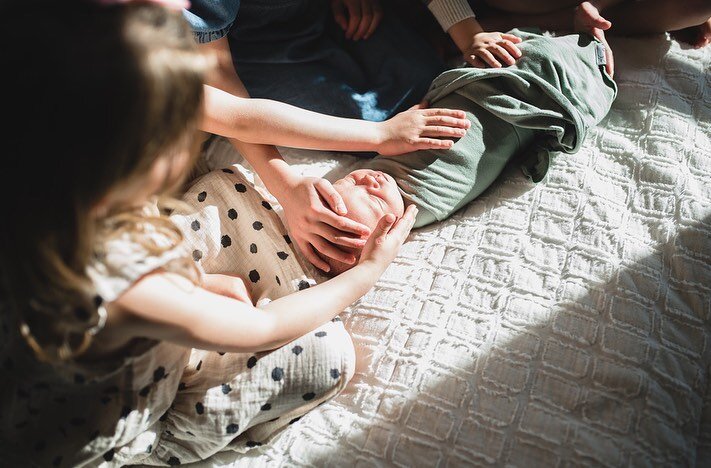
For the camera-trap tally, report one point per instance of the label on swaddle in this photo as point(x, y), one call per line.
point(600, 54)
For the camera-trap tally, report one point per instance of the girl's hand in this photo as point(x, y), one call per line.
point(314, 212)
point(420, 128)
point(228, 286)
point(388, 236)
point(358, 18)
point(587, 19)
point(488, 48)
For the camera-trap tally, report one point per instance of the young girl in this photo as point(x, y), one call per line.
point(104, 314)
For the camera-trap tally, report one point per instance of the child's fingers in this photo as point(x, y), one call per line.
point(354, 16)
point(403, 225)
point(377, 18)
point(474, 61)
point(311, 256)
point(489, 58)
point(433, 143)
point(339, 15)
point(331, 251)
point(337, 237)
point(457, 114)
point(342, 223)
point(511, 37)
point(511, 48)
point(365, 20)
point(441, 131)
point(332, 197)
point(448, 121)
point(383, 227)
point(503, 55)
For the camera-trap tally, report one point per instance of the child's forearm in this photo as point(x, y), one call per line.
point(323, 302)
point(271, 122)
point(269, 164)
point(167, 307)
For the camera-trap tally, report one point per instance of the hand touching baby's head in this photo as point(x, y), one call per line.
point(368, 195)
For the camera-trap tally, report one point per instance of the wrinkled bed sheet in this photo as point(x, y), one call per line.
point(544, 325)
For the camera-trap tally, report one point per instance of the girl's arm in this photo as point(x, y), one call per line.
point(271, 122)
point(231, 113)
point(169, 307)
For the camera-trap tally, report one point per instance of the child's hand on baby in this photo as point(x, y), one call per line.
point(314, 212)
point(358, 18)
point(384, 244)
point(228, 286)
point(492, 48)
point(419, 128)
point(587, 19)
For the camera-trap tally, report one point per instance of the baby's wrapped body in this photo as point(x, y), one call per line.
point(546, 102)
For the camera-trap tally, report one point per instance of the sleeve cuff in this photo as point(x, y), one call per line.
point(203, 37)
point(450, 12)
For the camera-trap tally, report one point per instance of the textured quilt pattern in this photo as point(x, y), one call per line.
point(564, 323)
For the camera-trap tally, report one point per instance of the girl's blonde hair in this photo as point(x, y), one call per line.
point(96, 96)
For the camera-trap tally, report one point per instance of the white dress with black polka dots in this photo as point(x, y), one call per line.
point(169, 405)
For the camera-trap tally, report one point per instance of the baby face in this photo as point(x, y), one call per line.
point(368, 195)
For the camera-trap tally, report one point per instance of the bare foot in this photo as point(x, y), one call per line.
point(696, 36)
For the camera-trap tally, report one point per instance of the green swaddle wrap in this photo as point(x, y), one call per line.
point(544, 103)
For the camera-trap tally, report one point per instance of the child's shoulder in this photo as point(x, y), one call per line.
point(135, 245)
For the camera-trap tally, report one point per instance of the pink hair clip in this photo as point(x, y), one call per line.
point(172, 4)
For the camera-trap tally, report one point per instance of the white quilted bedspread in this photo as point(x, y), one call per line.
point(564, 323)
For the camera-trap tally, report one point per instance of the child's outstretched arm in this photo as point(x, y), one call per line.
point(276, 123)
point(229, 112)
point(168, 307)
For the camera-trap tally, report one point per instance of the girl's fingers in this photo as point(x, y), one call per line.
point(331, 251)
point(448, 117)
point(448, 121)
point(503, 55)
point(377, 17)
point(441, 131)
point(457, 114)
point(403, 225)
point(342, 223)
point(312, 257)
point(474, 61)
point(511, 48)
point(332, 197)
point(381, 230)
point(339, 14)
point(512, 38)
point(354, 17)
point(365, 20)
point(433, 143)
point(489, 58)
point(338, 238)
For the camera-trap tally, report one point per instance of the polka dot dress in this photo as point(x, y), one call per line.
point(235, 401)
point(163, 404)
point(79, 413)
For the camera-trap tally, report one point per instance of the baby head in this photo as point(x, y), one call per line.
point(368, 195)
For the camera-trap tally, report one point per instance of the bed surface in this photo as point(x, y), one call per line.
point(559, 323)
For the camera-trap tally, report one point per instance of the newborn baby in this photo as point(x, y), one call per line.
point(546, 102)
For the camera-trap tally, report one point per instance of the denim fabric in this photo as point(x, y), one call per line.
point(211, 19)
point(293, 51)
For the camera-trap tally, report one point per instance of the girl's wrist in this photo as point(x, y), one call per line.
point(370, 271)
point(463, 32)
point(377, 133)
